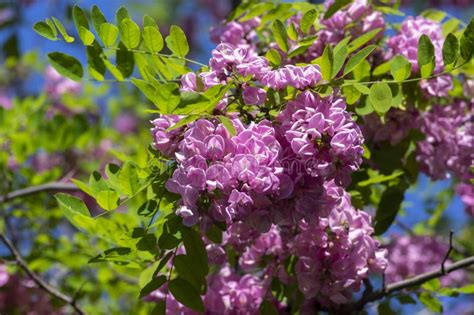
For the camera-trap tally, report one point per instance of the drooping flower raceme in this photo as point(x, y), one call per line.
point(335, 253)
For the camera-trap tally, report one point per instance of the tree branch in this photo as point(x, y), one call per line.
point(408, 283)
point(37, 279)
point(54, 186)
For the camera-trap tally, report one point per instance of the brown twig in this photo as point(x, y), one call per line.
point(55, 186)
point(451, 233)
point(405, 284)
point(37, 279)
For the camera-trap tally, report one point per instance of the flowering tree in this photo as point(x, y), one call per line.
point(273, 173)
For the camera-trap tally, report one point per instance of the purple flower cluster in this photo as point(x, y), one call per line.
point(323, 135)
point(336, 252)
point(405, 260)
point(406, 44)
point(448, 148)
point(466, 192)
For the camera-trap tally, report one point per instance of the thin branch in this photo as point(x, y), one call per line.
point(408, 283)
point(443, 269)
point(37, 279)
point(54, 186)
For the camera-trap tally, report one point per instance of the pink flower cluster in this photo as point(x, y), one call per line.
point(405, 260)
point(406, 44)
point(323, 136)
point(447, 149)
point(236, 172)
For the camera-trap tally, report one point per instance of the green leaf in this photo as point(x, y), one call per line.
point(292, 32)
point(426, 56)
point(192, 103)
point(380, 179)
point(108, 199)
point(336, 6)
point(307, 20)
point(153, 39)
point(467, 41)
point(125, 60)
point(432, 285)
point(72, 204)
point(86, 36)
point(327, 63)
point(82, 186)
point(380, 97)
point(351, 94)
point(97, 183)
point(79, 18)
point(339, 55)
point(400, 68)
point(363, 39)
point(130, 33)
point(358, 58)
point(128, 178)
point(181, 263)
point(362, 72)
point(362, 88)
point(434, 15)
point(148, 21)
point(98, 18)
point(388, 208)
point(196, 250)
point(431, 302)
point(153, 285)
point(185, 293)
point(121, 14)
point(113, 70)
point(51, 25)
point(177, 42)
point(167, 98)
point(45, 30)
point(75, 211)
point(382, 68)
point(183, 122)
point(274, 57)
point(108, 34)
point(228, 124)
point(62, 30)
point(451, 26)
point(281, 37)
point(147, 89)
point(66, 65)
point(450, 50)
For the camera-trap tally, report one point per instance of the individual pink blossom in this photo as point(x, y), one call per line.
point(335, 253)
point(5, 100)
point(166, 141)
point(254, 95)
